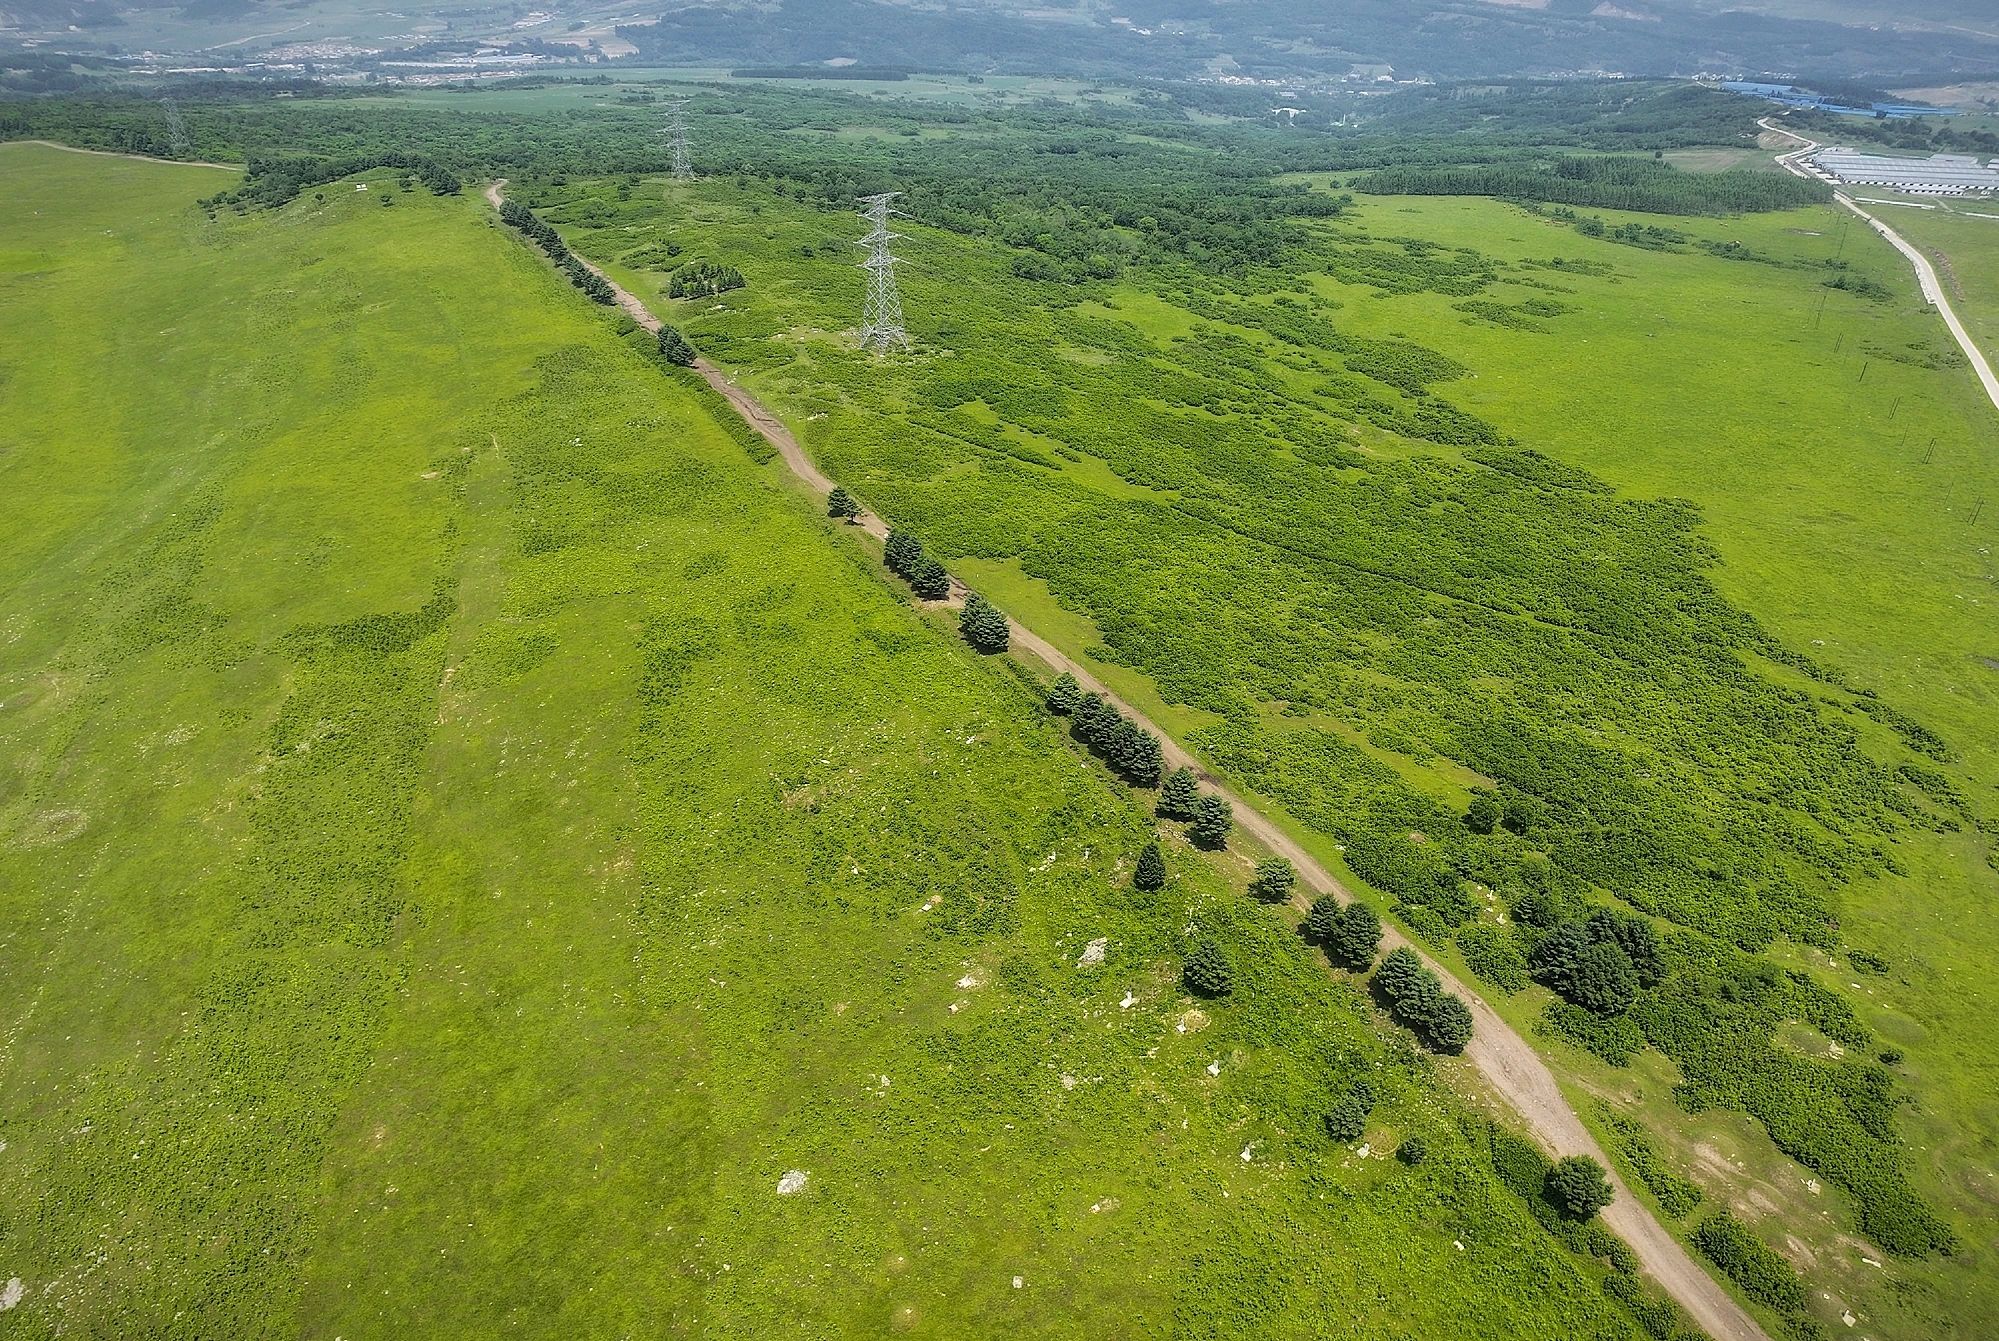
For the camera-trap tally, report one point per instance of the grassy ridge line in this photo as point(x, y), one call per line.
point(1503, 1057)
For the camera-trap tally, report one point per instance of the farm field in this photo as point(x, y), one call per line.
point(467, 831)
point(1449, 613)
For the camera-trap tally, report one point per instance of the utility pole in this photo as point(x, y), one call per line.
point(676, 139)
point(179, 143)
point(881, 317)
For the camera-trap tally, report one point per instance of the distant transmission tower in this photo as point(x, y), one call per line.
point(881, 318)
point(676, 138)
point(179, 143)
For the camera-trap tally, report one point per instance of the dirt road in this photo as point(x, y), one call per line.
point(1501, 1056)
point(1794, 162)
point(136, 158)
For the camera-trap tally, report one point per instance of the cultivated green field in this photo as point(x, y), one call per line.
point(1725, 633)
point(467, 830)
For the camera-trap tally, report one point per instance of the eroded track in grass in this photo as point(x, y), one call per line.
point(1500, 1054)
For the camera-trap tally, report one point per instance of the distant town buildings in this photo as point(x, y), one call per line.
point(1800, 99)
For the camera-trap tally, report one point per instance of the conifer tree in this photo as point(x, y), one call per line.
point(1147, 761)
point(1213, 818)
point(902, 552)
point(673, 347)
point(1273, 880)
point(841, 504)
point(984, 627)
point(929, 580)
point(1324, 916)
point(1064, 695)
point(1208, 972)
point(1354, 937)
point(1151, 873)
point(1179, 795)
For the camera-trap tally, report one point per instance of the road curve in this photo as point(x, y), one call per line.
point(1793, 162)
point(1501, 1056)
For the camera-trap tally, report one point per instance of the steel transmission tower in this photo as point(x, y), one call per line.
point(881, 318)
point(179, 143)
point(676, 138)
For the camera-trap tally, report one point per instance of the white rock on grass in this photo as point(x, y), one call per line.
point(793, 1181)
point(10, 1293)
point(1093, 953)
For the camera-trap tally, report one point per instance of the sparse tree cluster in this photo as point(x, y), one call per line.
point(983, 626)
point(1600, 964)
point(1416, 997)
point(703, 279)
point(673, 347)
point(594, 286)
point(1133, 754)
point(906, 559)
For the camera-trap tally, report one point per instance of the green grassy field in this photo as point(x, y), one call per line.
point(466, 831)
point(1964, 247)
point(1283, 511)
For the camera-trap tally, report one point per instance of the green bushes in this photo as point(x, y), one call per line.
point(1677, 1196)
point(1743, 1258)
point(593, 285)
point(673, 347)
point(1347, 1118)
point(1492, 953)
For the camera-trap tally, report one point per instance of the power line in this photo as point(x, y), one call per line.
point(881, 316)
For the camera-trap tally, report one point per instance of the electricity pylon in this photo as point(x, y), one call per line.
point(179, 143)
point(881, 316)
point(676, 138)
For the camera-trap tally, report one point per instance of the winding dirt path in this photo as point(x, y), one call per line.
point(1793, 162)
point(1506, 1061)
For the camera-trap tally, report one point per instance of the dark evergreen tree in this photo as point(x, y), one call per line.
point(1636, 937)
point(1207, 971)
point(1354, 938)
point(1120, 746)
point(1413, 1151)
point(984, 627)
point(1273, 880)
point(929, 580)
point(1450, 1025)
point(1151, 873)
point(1148, 761)
point(673, 347)
point(1399, 968)
point(1579, 1186)
point(1064, 695)
point(841, 504)
point(1083, 721)
point(1324, 916)
point(1179, 795)
point(902, 553)
point(1213, 818)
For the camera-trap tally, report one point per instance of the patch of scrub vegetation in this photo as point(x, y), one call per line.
point(533, 876)
point(1335, 532)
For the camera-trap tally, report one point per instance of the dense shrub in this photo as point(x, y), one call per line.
point(1762, 1274)
point(1578, 1185)
point(1347, 1118)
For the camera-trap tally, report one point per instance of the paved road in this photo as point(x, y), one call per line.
point(1794, 162)
point(1502, 1057)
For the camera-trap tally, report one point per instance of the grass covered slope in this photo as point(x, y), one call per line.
point(1288, 513)
point(466, 833)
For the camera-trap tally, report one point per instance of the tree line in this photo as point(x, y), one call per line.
point(594, 286)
